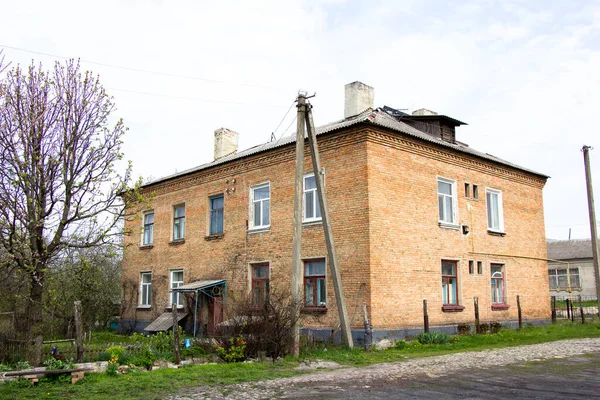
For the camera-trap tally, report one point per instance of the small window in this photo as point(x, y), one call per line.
point(449, 283)
point(311, 206)
point(148, 237)
point(260, 198)
point(216, 214)
point(260, 284)
point(467, 190)
point(176, 281)
point(475, 192)
point(471, 267)
point(480, 267)
point(315, 291)
point(495, 218)
point(497, 271)
point(146, 288)
point(559, 279)
point(179, 222)
point(447, 201)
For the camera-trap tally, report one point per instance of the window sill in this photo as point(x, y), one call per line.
point(146, 246)
point(452, 308)
point(176, 242)
point(311, 223)
point(216, 236)
point(170, 309)
point(496, 233)
point(314, 310)
point(500, 307)
point(447, 225)
point(143, 308)
point(259, 230)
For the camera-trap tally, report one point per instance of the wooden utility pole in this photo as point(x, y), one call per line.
point(333, 264)
point(591, 207)
point(78, 331)
point(297, 249)
point(519, 314)
point(425, 317)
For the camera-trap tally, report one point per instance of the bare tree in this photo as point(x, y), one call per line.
point(58, 184)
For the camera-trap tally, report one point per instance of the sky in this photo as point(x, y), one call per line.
point(524, 75)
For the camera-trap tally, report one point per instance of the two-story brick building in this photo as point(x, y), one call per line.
point(415, 215)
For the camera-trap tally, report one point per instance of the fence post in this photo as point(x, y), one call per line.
point(572, 314)
point(568, 309)
point(425, 316)
point(553, 305)
point(176, 335)
point(79, 331)
point(519, 312)
point(476, 307)
point(581, 310)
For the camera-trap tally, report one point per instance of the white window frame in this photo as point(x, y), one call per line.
point(148, 301)
point(310, 192)
point(144, 214)
point(251, 206)
point(453, 196)
point(177, 296)
point(181, 222)
point(498, 193)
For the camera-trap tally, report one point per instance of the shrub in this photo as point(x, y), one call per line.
point(194, 352)
point(20, 365)
point(495, 327)
point(234, 352)
point(145, 359)
point(463, 329)
point(115, 352)
point(401, 345)
point(432, 338)
point(53, 363)
point(483, 328)
point(5, 368)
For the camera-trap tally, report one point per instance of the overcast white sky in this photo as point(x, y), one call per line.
point(525, 75)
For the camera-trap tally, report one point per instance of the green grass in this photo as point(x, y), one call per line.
point(584, 303)
point(157, 384)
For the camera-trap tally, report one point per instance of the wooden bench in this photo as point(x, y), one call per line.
point(33, 376)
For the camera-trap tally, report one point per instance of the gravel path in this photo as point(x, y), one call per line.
point(429, 366)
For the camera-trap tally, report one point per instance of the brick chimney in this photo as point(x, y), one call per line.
point(226, 142)
point(358, 98)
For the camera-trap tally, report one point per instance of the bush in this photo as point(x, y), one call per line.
point(495, 327)
point(432, 338)
point(53, 363)
point(115, 352)
point(234, 352)
point(145, 359)
point(483, 328)
point(401, 345)
point(194, 352)
point(463, 329)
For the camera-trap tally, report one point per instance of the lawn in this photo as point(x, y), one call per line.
point(157, 384)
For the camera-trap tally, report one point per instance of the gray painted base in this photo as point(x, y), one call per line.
point(127, 326)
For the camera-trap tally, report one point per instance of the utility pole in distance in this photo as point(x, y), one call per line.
point(297, 246)
point(590, 195)
point(333, 264)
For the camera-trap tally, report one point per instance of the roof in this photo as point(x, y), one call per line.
point(164, 322)
point(376, 117)
point(402, 115)
point(569, 249)
point(198, 285)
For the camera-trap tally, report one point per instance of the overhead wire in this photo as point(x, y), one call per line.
point(282, 119)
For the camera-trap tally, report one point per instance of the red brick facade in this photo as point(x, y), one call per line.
point(383, 197)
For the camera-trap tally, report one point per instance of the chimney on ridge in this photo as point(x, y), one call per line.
point(226, 142)
point(358, 97)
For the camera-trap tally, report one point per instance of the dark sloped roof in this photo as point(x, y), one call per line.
point(164, 322)
point(569, 249)
point(377, 117)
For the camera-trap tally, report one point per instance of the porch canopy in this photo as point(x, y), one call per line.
point(163, 322)
point(211, 288)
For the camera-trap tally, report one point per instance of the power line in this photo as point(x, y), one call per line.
point(167, 74)
point(282, 119)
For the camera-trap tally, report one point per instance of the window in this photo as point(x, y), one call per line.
point(260, 284)
point(447, 201)
point(260, 197)
point(315, 293)
point(148, 228)
point(467, 190)
point(559, 279)
point(471, 267)
point(495, 219)
point(497, 271)
point(312, 207)
point(216, 214)
point(449, 283)
point(179, 222)
point(146, 288)
point(475, 192)
point(480, 267)
point(176, 281)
